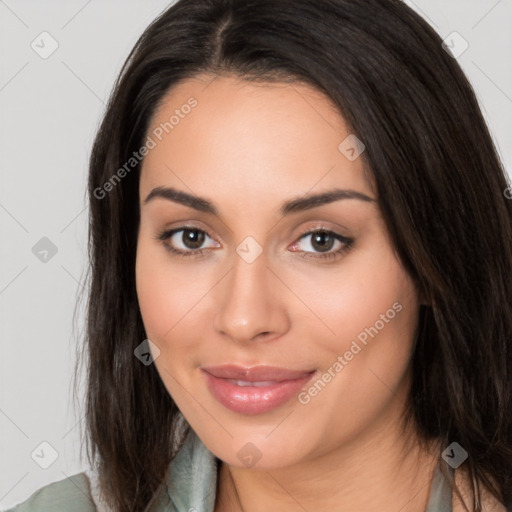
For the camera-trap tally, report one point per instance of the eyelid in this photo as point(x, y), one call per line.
point(345, 240)
point(167, 233)
point(187, 225)
point(325, 226)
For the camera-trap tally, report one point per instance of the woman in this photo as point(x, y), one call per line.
point(300, 271)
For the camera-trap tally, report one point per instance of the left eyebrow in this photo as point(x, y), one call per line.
point(292, 206)
point(315, 200)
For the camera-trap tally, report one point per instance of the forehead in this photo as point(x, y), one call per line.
point(269, 141)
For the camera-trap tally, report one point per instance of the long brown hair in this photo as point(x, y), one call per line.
point(440, 185)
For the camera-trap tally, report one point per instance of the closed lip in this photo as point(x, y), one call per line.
point(255, 373)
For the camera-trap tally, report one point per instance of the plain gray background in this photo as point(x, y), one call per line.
point(51, 108)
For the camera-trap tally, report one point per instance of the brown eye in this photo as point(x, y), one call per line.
point(322, 241)
point(192, 238)
point(321, 244)
point(185, 241)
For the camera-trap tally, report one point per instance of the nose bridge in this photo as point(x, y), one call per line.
point(248, 302)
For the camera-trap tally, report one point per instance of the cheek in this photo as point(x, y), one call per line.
point(153, 292)
point(348, 299)
point(372, 309)
point(168, 302)
point(165, 293)
point(368, 311)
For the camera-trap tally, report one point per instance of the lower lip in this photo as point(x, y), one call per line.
point(253, 399)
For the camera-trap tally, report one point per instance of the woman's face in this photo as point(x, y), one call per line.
point(334, 305)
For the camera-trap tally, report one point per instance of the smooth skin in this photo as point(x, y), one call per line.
point(248, 148)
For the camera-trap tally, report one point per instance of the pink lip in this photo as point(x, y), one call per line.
point(282, 385)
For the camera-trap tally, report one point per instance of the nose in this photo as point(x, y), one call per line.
point(252, 302)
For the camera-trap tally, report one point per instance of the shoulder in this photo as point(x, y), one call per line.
point(70, 494)
point(489, 502)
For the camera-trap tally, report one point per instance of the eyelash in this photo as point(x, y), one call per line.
point(347, 243)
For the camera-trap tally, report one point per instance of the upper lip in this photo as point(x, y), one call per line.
point(255, 373)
